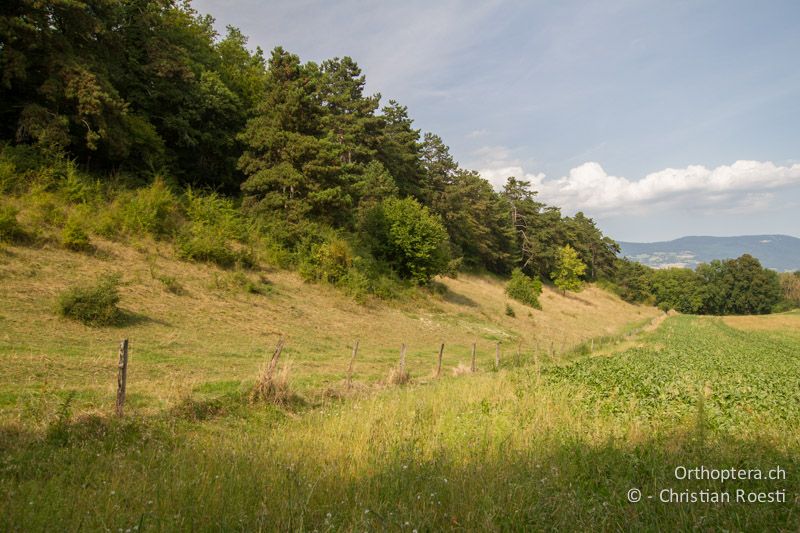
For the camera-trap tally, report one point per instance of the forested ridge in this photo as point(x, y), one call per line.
point(240, 157)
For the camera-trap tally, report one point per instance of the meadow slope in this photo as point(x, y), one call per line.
point(212, 337)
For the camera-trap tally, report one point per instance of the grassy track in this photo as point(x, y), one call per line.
point(495, 451)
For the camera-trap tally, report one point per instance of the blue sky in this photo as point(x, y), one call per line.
point(657, 119)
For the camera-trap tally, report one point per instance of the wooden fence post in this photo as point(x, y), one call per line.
point(275, 356)
point(350, 367)
point(439, 366)
point(122, 375)
point(497, 356)
point(403, 359)
point(474, 367)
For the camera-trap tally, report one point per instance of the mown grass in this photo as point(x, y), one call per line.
point(513, 450)
point(218, 325)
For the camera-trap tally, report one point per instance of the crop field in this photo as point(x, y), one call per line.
point(554, 445)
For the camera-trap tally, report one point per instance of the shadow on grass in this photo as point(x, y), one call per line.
point(245, 482)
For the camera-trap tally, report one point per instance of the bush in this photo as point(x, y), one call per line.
point(10, 230)
point(153, 210)
point(214, 229)
point(328, 261)
point(74, 237)
point(408, 237)
point(171, 284)
point(510, 311)
point(524, 289)
point(93, 305)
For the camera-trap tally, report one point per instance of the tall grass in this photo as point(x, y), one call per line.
point(491, 452)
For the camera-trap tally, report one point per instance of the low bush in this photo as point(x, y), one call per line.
point(171, 285)
point(152, 210)
point(10, 230)
point(216, 232)
point(524, 289)
point(74, 236)
point(93, 305)
point(327, 260)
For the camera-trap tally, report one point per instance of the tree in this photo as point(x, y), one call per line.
point(291, 170)
point(790, 288)
point(633, 281)
point(399, 149)
point(408, 237)
point(569, 269)
point(597, 251)
point(539, 228)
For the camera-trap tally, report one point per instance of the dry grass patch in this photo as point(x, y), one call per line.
point(783, 322)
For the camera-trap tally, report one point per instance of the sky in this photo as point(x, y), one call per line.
point(657, 119)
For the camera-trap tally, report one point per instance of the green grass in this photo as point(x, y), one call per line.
point(513, 450)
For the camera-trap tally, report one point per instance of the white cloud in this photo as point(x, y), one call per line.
point(743, 187)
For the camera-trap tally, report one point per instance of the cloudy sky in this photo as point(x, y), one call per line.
point(658, 119)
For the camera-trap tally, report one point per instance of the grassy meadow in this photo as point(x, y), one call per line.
point(551, 441)
point(212, 337)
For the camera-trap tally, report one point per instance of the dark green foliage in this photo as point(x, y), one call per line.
point(407, 236)
point(738, 286)
point(678, 289)
point(126, 91)
point(731, 287)
point(632, 281)
point(523, 289)
point(510, 311)
point(93, 305)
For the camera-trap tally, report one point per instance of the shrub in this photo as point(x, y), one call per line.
point(328, 261)
point(10, 230)
point(200, 243)
point(9, 179)
point(510, 311)
point(214, 229)
point(408, 237)
point(171, 285)
point(74, 237)
point(524, 289)
point(153, 210)
point(94, 305)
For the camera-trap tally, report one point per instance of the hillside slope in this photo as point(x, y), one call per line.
point(213, 338)
point(779, 252)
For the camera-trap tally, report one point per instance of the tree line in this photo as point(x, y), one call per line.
point(233, 147)
point(149, 88)
point(722, 287)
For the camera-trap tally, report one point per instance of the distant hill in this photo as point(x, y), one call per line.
point(779, 252)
